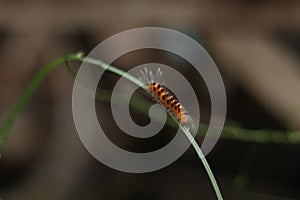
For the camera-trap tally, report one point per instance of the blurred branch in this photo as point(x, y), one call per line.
point(208, 14)
point(265, 69)
point(139, 104)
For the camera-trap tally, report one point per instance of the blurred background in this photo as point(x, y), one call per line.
point(255, 44)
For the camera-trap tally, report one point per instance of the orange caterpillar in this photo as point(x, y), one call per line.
point(169, 101)
point(163, 96)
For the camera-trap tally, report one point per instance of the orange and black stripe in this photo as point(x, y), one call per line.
point(169, 101)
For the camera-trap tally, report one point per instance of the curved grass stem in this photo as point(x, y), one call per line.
point(28, 92)
point(184, 129)
point(232, 133)
point(36, 81)
point(204, 162)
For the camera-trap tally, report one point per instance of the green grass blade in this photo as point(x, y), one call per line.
point(204, 162)
point(36, 81)
point(184, 129)
point(28, 92)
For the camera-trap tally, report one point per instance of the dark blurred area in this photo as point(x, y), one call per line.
point(256, 46)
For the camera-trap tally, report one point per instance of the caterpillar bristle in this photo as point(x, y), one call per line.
point(161, 94)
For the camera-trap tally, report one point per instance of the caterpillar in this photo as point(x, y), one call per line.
point(169, 101)
point(163, 96)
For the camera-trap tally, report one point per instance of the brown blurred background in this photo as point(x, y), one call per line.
point(256, 45)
